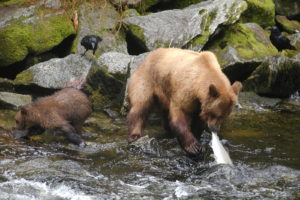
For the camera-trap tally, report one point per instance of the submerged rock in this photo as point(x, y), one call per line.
point(57, 73)
point(189, 27)
point(278, 76)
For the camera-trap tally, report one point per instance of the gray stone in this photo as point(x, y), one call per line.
point(104, 23)
point(57, 72)
point(14, 100)
point(176, 28)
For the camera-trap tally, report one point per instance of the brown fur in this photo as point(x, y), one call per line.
point(185, 83)
point(66, 110)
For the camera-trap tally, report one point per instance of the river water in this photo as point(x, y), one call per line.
point(263, 139)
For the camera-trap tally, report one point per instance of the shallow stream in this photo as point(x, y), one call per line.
point(263, 139)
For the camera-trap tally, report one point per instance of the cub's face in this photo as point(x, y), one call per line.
point(219, 105)
point(19, 121)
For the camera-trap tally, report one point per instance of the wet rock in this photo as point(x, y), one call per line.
point(189, 27)
point(241, 48)
point(278, 76)
point(13, 100)
point(57, 73)
point(104, 22)
point(250, 101)
point(288, 8)
point(146, 145)
point(23, 31)
point(290, 26)
point(264, 12)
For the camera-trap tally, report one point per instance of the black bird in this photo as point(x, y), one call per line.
point(278, 40)
point(90, 42)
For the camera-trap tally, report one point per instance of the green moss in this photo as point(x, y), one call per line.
point(261, 12)
point(105, 89)
point(200, 40)
point(24, 77)
point(20, 39)
point(247, 43)
point(138, 33)
point(288, 25)
point(15, 2)
point(276, 77)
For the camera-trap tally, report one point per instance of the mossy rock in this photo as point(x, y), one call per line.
point(20, 38)
point(290, 26)
point(105, 90)
point(261, 12)
point(278, 76)
point(289, 8)
point(243, 42)
point(170, 28)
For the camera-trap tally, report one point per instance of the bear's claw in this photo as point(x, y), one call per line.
point(195, 148)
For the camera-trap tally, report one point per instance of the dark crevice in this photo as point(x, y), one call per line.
point(34, 90)
point(134, 46)
point(234, 72)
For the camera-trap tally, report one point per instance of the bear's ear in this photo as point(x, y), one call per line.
point(237, 86)
point(213, 92)
point(24, 111)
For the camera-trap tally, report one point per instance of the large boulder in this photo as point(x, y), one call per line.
point(289, 8)
point(241, 48)
point(57, 73)
point(261, 12)
point(104, 22)
point(189, 27)
point(278, 76)
point(31, 30)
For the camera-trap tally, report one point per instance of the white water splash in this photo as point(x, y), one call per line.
point(22, 189)
point(220, 154)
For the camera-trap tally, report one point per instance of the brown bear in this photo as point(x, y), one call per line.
point(65, 111)
point(184, 84)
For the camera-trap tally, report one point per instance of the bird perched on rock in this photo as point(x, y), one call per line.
point(278, 40)
point(90, 42)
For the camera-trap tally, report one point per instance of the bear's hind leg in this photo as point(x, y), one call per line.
point(141, 99)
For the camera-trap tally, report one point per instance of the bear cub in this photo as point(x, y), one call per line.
point(190, 89)
point(65, 111)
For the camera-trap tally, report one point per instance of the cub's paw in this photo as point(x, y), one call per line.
point(133, 137)
point(195, 148)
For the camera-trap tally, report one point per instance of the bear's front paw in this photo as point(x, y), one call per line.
point(133, 137)
point(195, 148)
